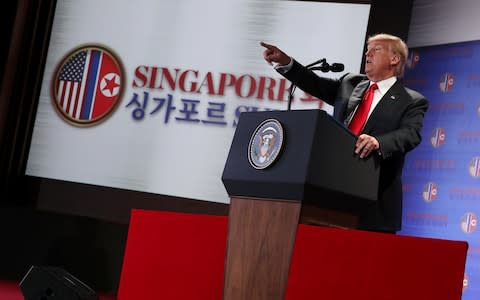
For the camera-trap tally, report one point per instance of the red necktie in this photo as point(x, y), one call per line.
point(360, 117)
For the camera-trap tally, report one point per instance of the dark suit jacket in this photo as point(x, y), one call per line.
point(395, 122)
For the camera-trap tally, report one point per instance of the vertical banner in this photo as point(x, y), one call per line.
point(442, 175)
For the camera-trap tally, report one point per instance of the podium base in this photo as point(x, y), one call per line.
point(261, 236)
point(314, 215)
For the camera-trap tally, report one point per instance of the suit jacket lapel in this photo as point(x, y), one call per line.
point(390, 98)
point(355, 99)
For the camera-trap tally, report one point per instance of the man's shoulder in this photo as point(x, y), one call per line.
point(412, 93)
point(353, 78)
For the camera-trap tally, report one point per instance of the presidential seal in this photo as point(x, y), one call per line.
point(265, 144)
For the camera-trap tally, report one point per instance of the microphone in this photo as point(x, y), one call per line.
point(325, 67)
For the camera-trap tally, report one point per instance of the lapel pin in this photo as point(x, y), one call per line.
point(392, 97)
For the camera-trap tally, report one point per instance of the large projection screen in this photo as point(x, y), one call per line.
point(178, 75)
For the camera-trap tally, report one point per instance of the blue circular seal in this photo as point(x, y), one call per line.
point(265, 144)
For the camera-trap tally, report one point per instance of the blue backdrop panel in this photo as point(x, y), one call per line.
point(442, 175)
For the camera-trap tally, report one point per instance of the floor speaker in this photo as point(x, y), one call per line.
point(52, 283)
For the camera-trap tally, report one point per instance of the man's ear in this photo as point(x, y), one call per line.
point(395, 60)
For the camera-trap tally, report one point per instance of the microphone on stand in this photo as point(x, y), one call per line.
point(323, 66)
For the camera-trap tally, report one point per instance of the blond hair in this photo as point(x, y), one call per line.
point(397, 47)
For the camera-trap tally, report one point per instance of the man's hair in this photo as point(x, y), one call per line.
point(397, 46)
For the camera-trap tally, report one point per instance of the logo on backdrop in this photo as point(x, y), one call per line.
point(87, 85)
point(438, 137)
point(429, 193)
point(413, 59)
point(474, 167)
point(265, 144)
point(446, 82)
point(469, 222)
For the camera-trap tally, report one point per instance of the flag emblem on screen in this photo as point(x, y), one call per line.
point(446, 82)
point(438, 137)
point(88, 85)
point(469, 222)
point(429, 192)
point(465, 281)
point(413, 59)
point(474, 167)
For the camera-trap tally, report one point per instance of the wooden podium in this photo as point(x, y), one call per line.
point(316, 175)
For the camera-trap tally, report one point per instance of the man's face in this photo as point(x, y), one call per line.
point(380, 62)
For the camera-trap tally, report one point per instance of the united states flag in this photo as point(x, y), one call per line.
point(71, 87)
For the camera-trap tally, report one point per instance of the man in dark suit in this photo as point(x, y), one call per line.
point(391, 122)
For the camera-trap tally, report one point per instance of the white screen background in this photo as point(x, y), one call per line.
point(177, 158)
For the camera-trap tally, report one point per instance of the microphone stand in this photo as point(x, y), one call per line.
point(291, 89)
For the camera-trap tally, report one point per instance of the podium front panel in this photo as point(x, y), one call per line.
point(317, 159)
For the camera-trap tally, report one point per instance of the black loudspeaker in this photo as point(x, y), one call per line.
point(52, 283)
